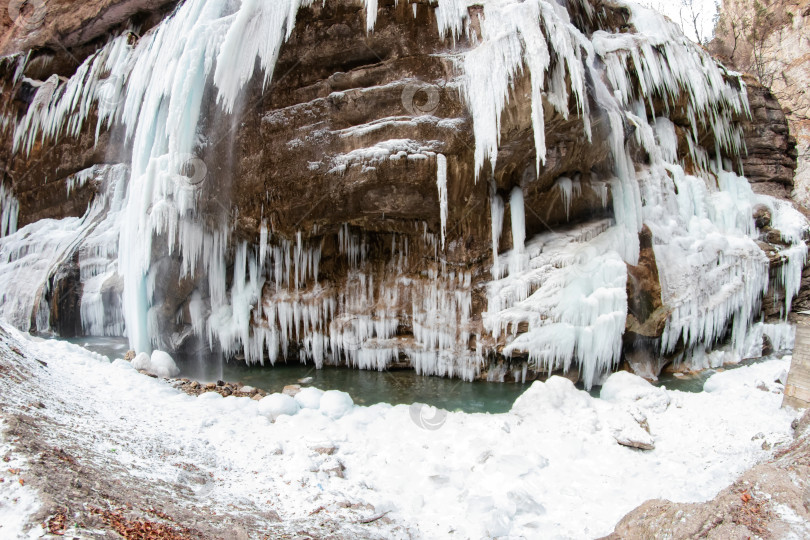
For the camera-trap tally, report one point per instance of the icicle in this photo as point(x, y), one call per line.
point(566, 187)
point(371, 15)
point(517, 213)
point(9, 208)
point(441, 184)
point(496, 209)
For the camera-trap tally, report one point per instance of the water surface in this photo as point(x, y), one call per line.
point(370, 387)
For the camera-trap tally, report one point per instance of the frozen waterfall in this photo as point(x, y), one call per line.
point(558, 298)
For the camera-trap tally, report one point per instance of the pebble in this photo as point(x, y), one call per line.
point(324, 449)
point(291, 389)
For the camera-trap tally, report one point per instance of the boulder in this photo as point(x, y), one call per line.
point(162, 365)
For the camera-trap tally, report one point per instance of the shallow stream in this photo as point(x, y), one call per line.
point(369, 387)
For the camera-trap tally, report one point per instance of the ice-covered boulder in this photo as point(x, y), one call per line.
point(625, 388)
point(163, 365)
point(629, 428)
point(276, 405)
point(160, 364)
point(142, 361)
point(309, 398)
point(335, 403)
point(556, 393)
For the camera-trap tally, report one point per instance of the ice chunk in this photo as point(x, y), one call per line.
point(120, 363)
point(557, 393)
point(627, 431)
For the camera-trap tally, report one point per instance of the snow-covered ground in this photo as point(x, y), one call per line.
point(17, 501)
point(550, 468)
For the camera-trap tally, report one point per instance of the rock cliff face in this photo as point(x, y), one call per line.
point(348, 202)
point(771, 40)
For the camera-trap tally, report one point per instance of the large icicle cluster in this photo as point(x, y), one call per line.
point(354, 322)
point(558, 298)
point(702, 234)
point(30, 257)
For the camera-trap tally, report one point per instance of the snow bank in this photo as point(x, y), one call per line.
point(551, 466)
point(756, 377)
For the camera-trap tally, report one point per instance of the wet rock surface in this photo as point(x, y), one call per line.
point(236, 389)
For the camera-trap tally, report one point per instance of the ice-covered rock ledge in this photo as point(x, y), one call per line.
point(549, 466)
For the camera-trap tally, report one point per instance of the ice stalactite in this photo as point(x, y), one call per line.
point(450, 17)
point(441, 184)
point(9, 209)
point(517, 213)
point(568, 190)
point(355, 324)
point(28, 258)
point(702, 235)
point(567, 304)
point(496, 211)
point(62, 109)
point(511, 40)
point(790, 274)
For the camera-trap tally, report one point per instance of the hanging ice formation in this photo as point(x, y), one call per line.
point(30, 260)
point(559, 297)
point(9, 208)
